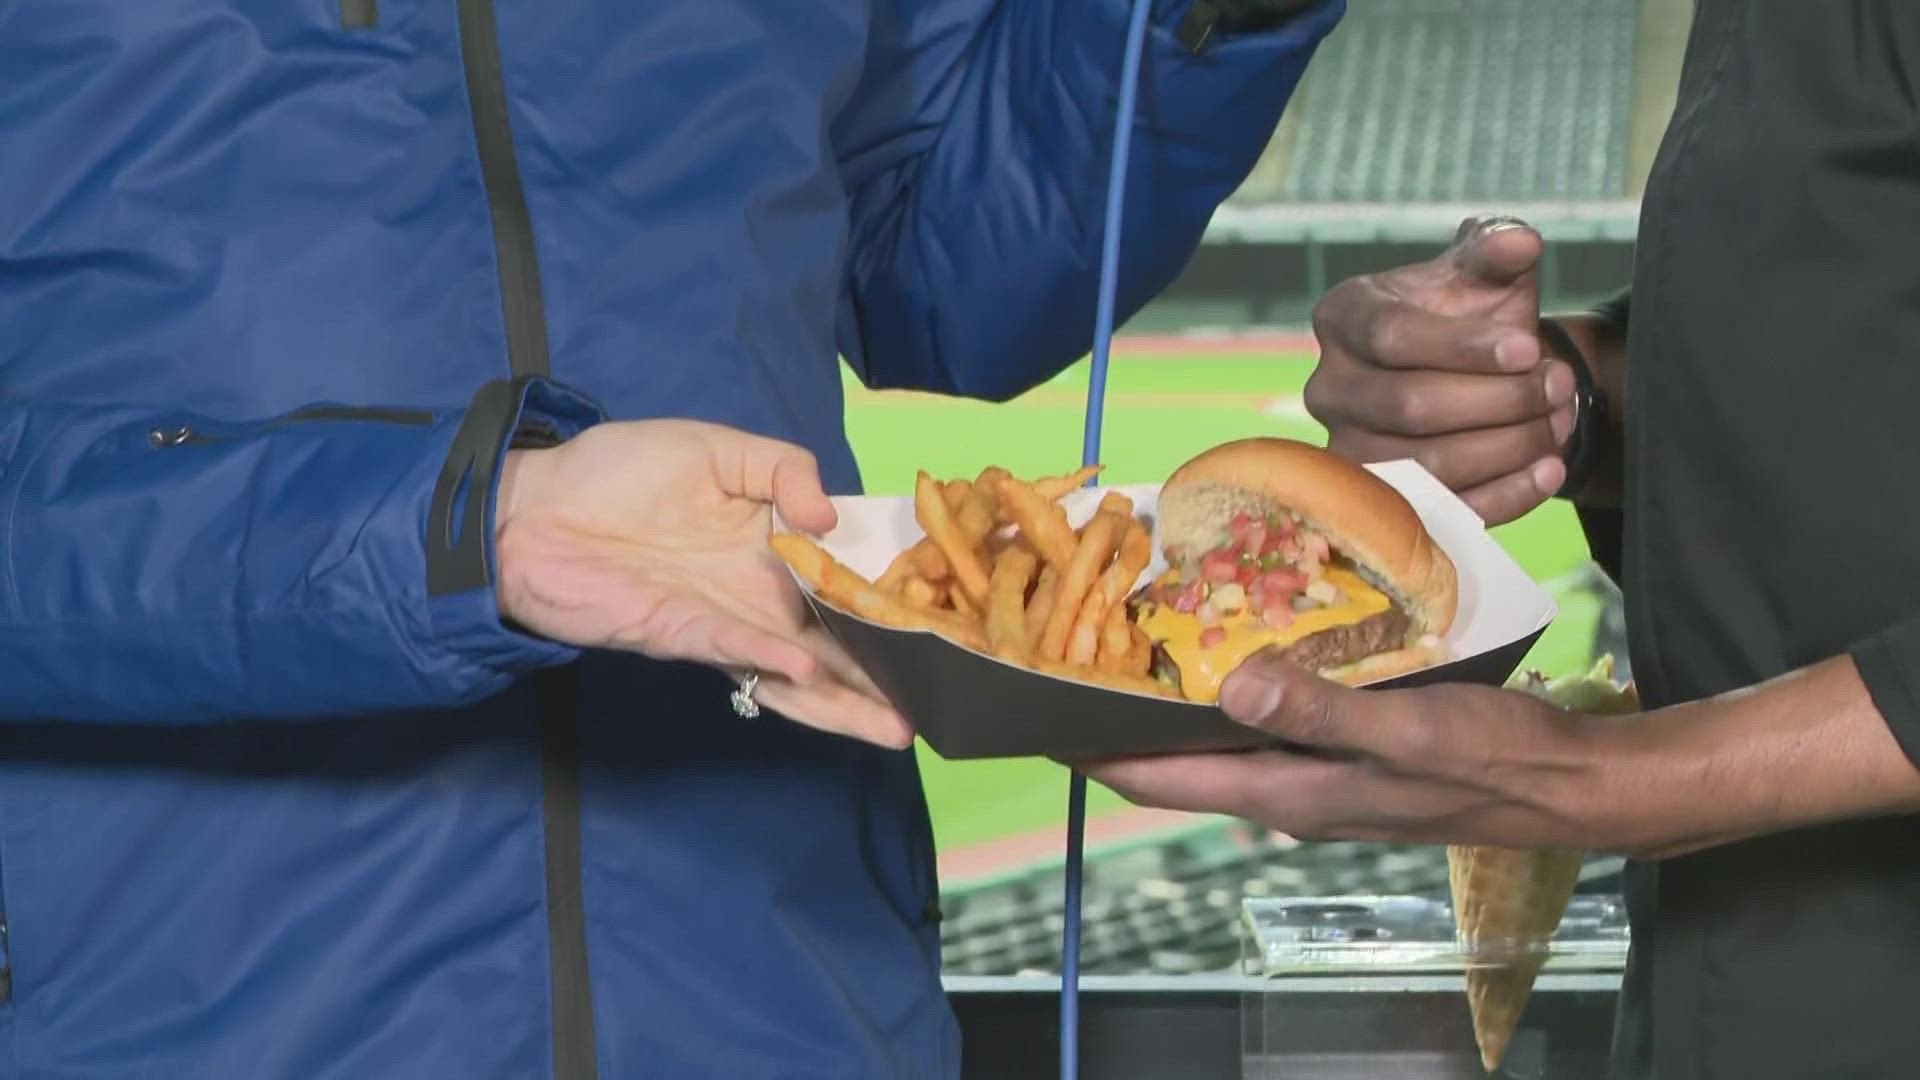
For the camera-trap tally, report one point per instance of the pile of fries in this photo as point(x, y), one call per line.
point(1001, 571)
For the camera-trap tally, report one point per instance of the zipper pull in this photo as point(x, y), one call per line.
point(163, 437)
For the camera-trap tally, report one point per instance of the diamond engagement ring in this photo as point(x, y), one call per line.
point(743, 704)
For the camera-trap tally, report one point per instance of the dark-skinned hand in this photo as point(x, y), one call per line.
point(1438, 764)
point(1441, 362)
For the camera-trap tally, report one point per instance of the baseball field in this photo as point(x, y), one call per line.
point(1167, 399)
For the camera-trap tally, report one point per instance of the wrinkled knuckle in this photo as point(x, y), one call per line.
point(1412, 412)
point(801, 457)
point(1314, 719)
point(1316, 396)
point(1327, 311)
point(1385, 334)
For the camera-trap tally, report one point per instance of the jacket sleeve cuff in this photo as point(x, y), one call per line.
point(463, 603)
point(1889, 664)
point(1207, 23)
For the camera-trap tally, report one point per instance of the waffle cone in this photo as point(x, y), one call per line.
point(1507, 904)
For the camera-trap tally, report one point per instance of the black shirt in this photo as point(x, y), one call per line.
point(1772, 519)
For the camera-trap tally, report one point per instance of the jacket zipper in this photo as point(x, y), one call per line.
point(163, 435)
point(523, 311)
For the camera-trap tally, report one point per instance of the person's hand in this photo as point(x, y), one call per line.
point(651, 537)
point(1441, 362)
point(1434, 765)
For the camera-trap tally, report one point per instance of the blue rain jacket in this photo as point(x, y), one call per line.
point(280, 795)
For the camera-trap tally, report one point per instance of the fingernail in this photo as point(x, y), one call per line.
point(1548, 474)
point(1516, 352)
point(1249, 695)
point(1561, 424)
point(1559, 384)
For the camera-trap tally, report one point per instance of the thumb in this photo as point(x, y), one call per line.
point(788, 476)
point(1497, 252)
point(1288, 701)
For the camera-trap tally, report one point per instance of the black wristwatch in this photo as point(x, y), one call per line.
point(1590, 410)
point(1209, 17)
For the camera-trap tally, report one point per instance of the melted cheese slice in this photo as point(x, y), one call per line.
point(1202, 670)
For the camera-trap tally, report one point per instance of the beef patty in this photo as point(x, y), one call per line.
point(1356, 641)
point(1329, 648)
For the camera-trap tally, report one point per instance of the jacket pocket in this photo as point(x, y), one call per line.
point(189, 434)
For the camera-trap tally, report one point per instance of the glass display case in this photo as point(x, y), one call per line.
point(1369, 986)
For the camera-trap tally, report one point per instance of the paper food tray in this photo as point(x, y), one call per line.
point(969, 705)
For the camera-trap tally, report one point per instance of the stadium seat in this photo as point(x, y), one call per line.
point(1462, 100)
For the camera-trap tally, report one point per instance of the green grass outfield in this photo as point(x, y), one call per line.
point(1161, 410)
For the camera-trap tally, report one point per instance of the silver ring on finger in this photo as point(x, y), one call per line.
point(744, 705)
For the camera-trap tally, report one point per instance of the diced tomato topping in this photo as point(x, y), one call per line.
point(1213, 637)
point(1283, 528)
point(1255, 540)
point(1188, 599)
point(1278, 616)
point(1274, 543)
point(1237, 529)
point(1280, 582)
point(1247, 574)
point(1220, 567)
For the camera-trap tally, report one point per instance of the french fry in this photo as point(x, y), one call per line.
point(1115, 503)
point(903, 567)
point(920, 592)
point(844, 588)
point(924, 558)
point(1006, 596)
point(1043, 523)
point(1054, 488)
point(1116, 639)
point(1097, 543)
point(1136, 551)
point(1001, 570)
point(1140, 657)
point(1045, 592)
point(975, 515)
point(930, 508)
point(990, 479)
point(1083, 633)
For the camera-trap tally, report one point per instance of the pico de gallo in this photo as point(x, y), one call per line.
point(1271, 567)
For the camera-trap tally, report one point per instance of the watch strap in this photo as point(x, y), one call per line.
point(1589, 409)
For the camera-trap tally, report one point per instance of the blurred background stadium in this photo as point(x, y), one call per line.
point(1415, 114)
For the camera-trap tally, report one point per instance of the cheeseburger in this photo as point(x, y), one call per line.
point(1272, 543)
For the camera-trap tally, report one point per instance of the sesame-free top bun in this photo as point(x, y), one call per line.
point(1361, 514)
